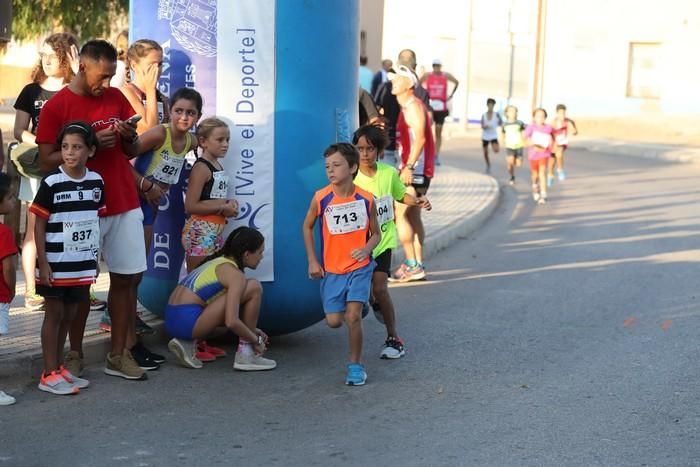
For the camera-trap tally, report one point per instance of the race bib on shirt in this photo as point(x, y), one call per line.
point(562, 139)
point(541, 139)
point(168, 169)
point(385, 209)
point(345, 218)
point(81, 235)
point(437, 105)
point(219, 189)
point(514, 138)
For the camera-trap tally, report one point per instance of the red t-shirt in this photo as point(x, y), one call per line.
point(111, 163)
point(7, 248)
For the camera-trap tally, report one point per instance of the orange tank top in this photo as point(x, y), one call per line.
point(344, 224)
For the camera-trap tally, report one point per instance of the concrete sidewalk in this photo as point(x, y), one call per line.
point(462, 201)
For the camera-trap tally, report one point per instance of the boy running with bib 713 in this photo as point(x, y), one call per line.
point(349, 233)
point(382, 180)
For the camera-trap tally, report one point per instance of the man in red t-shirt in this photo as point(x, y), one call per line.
point(436, 83)
point(89, 98)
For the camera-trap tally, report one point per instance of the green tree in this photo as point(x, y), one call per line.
point(87, 19)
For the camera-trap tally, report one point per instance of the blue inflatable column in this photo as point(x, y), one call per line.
point(317, 61)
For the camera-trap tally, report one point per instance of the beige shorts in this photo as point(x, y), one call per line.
point(121, 242)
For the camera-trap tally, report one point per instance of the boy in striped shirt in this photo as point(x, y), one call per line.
point(67, 239)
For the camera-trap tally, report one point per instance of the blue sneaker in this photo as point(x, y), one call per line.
point(550, 180)
point(357, 376)
point(561, 175)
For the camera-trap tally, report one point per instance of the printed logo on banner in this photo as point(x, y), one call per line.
point(249, 213)
point(192, 24)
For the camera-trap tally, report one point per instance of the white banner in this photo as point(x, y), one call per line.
point(245, 98)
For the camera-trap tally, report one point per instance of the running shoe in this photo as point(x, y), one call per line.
point(378, 312)
point(561, 175)
point(73, 363)
point(511, 182)
point(399, 273)
point(6, 399)
point(56, 384)
point(541, 201)
point(105, 322)
point(143, 329)
point(204, 357)
point(147, 352)
point(357, 376)
point(79, 383)
point(414, 273)
point(488, 169)
point(185, 353)
point(550, 180)
point(124, 366)
point(95, 303)
point(33, 301)
point(210, 349)
point(536, 196)
point(437, 161)
point(142, 358)
point(393, 348)
point(252, 362)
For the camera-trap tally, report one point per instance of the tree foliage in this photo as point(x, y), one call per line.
point(87, 19)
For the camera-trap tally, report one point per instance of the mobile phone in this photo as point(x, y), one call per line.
point(134, 119)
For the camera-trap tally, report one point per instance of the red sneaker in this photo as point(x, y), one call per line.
point(217, 352)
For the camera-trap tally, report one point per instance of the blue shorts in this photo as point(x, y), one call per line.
point(149, 212)
point(180, 319)
point(339, 289)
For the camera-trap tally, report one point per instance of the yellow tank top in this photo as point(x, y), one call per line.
point(203, 281)
point(166, 164)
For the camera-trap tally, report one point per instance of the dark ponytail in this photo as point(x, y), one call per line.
point(242, 240)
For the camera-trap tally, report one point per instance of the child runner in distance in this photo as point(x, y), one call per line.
point(561, 127)
point(215, 294)
point(382, 180)
point(163, 149)
point(8, 257)
point(67, 235)
point(349, 233)
point(206, 199)
point(490, 121)
point(513, 141)
point(539, 143)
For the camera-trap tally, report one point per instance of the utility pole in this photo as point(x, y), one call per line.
point(539, 53)
point(511, 35)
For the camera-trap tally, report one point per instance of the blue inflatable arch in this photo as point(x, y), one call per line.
point(316, 53)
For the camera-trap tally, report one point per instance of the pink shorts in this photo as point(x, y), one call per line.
point(536, 164)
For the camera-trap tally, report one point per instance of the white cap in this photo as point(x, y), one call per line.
point(403, 70)
point(436, 61)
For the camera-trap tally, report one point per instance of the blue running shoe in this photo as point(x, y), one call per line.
point(550, 180)
point(560, 174)
point(357, 376)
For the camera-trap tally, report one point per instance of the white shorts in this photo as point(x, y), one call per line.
point(28, 188)
point(121, 242)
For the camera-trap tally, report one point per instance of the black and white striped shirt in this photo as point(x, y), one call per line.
point(71, 209)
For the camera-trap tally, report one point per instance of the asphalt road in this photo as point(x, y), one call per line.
point(563, 334)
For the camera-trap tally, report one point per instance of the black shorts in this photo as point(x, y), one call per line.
point(486, 142)
point(439, 116)
point(383, 262)
point(421, 183)
point(510, 152)
point(70, 294)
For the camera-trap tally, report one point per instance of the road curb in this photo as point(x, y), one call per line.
point(472, 220)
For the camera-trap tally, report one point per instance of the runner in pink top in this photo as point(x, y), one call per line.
point(437, 84)
point(539, 148)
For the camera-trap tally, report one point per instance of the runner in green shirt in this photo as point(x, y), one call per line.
point(382, 180)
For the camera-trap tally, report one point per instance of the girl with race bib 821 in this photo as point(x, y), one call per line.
point(163, 150)
point(207, 200)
